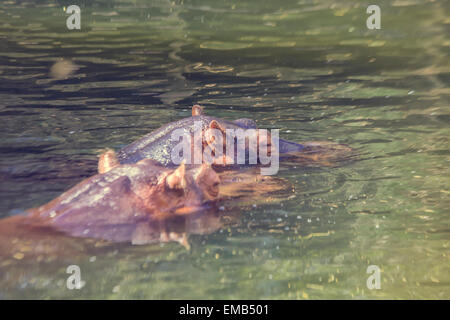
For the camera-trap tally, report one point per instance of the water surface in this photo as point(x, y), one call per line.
point(309, 68)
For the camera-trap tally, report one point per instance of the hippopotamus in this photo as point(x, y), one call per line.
point(119, 204)
point(158, 144)
point(139, 203)
point(140, 187)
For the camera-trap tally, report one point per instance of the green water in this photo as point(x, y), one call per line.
point(309, 68)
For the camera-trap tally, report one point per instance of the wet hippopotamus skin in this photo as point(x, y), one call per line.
point(158, 144)
point(119, 205)
point(111, 208)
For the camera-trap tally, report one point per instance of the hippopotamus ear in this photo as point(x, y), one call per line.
point(176, 179)
point(246, 123)
point(197, 110)
point(214, 124)
point(107, 161)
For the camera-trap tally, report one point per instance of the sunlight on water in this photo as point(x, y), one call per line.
point(309, 68)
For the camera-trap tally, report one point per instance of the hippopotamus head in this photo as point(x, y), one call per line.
point(111, 205)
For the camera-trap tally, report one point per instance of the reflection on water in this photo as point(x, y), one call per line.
point(311, 69)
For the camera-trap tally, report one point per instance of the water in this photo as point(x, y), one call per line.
point(309, 68)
